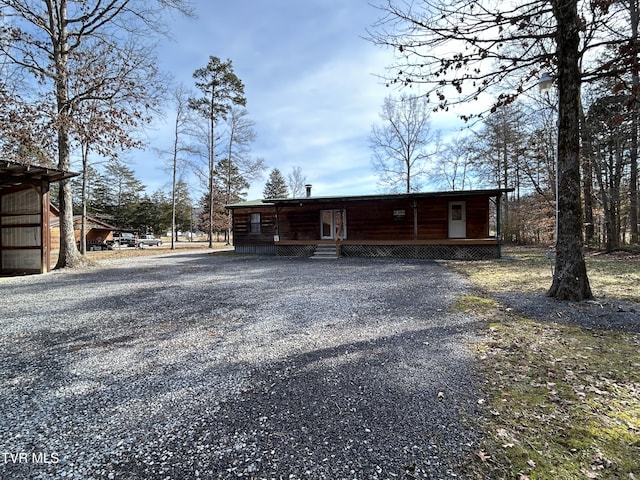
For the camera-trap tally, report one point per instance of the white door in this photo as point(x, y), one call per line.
point(333, 224)
point(326, 225)
point(457, 219)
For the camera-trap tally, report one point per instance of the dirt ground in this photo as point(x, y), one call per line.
point(165, 248)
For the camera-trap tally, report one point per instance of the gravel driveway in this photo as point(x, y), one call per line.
point(191, 366)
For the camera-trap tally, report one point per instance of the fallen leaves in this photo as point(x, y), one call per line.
point(482, 455)
point(560, 401)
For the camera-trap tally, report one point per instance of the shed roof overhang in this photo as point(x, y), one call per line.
point(381, 198)
point(14, 174)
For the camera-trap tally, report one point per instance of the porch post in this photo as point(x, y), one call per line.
point(498, 225)
point(415, 220)
point(45, 233)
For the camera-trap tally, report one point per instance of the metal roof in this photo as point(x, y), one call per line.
point(13, 174)
point(358, 198)
point(251, 203)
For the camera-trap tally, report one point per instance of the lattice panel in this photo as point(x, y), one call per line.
point(443, 252)
point(295, 250)
point(436, 252)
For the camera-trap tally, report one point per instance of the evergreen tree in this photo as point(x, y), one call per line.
point(276, 186)
point(233, 187)
point(221, 89)
point(120, 192)
point(183, 207)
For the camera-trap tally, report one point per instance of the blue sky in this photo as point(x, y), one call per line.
point(310, 81)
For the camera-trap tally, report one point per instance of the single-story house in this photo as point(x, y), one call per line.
point(25, 243)
point(439, 225)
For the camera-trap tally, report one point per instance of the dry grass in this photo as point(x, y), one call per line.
point(615, 276)
point(164, 249)
point(561, 402)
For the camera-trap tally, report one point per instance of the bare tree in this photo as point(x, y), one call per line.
point(45, 37)
point(570, 281)
point(403, 145)
point(240, 134)
point(296, 182)
point(453, 170)
point(106, 121)
point(609, 127)
point(182, 129)
point(457, 50)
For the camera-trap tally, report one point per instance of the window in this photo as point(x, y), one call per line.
point(399, 215)
point(255, 223)
point(333, 224)
point(456, 212)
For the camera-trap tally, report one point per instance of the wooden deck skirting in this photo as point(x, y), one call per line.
point(449, 248)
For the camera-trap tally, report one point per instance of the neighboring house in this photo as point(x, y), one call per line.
point(444, 225)
point(97, 230)
point(25, 242)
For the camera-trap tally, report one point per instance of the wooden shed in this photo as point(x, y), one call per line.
point(97, 230)
point(25, 243)
point(447, 225)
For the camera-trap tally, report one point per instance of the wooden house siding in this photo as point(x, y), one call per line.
point(375, 220)
point(384, 220)
point(242, 234)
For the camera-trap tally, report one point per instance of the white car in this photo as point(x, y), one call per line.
point(149, 240)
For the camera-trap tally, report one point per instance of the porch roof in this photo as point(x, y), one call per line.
point(13, 174)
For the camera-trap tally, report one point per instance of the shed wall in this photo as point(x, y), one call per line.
point(24, 230)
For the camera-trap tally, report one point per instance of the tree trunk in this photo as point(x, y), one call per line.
point(633, 178)
point(212, 165)
point(69, 255)
point(587, 181)
point(174, 229)
point(635, 128)
point(604, 178)
point(570, 281)
point(85, 173)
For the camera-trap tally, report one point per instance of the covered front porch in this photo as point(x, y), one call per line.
point(435, 225)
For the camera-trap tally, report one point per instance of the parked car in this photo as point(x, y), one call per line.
point(149, 240)
point(122, 239)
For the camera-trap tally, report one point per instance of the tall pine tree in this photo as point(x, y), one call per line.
point(221, 89)
point(276, 186)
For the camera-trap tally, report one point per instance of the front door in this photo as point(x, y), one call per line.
point(457, 219)
point(333, 224)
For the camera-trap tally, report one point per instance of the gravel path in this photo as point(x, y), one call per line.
point(202, 366)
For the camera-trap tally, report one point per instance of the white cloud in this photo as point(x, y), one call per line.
point(309, 81)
